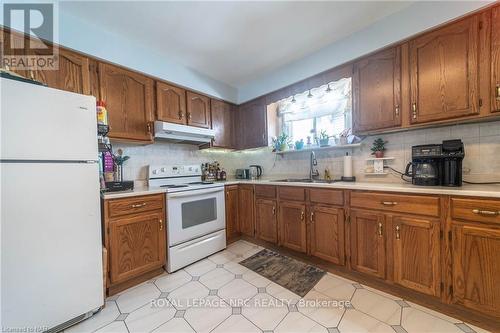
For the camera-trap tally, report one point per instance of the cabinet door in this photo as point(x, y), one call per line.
point(476, 267)
point(198, 110)
point(292, 223)
point(265, 220)
point(251, 125)
point(416, 254)
point(129, 101)
point(368, 243)
point(444, 72)
point(72, 75)
point(232, 229)
point(246, 210)
point(377, 91)
point(14, 44)
point(495, 58)
point(137, 245)
point(222, 123)
point(327, 233)
point(170, 103)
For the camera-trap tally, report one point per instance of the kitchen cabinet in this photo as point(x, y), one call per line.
point(198, 110)
point(134, 235)
point(14, 43)
point(137, 245)
point(251, 124)
point(129, 102)
point(444, 72)
point(495, 59)
point(292, 225)
point(417, 253)
point(170, 103)
point(377, 91)
point(232, 228)
point(476, 267)
point(368, 245)
point(266, 223)
point(326, 233)
point(246, 210)
point(222, 123)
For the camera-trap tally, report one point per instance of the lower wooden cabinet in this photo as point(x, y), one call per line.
point(292, 225)
point(137, 245)
point(232, 228)
point(326, 234)
point(368, 251)
point(476, 267)
point(266, 222)
point(246, 210)
point(416, 256)
point(134, 230)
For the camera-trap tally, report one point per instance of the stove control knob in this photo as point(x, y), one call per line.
point(155, 172)
point(163, 169)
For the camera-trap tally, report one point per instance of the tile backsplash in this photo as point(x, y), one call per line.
point(481, 163)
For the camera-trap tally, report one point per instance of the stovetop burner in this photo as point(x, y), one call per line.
point(173, 186)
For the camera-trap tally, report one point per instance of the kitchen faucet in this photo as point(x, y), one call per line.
point(313, 172)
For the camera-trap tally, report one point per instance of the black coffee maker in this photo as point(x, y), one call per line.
point(437, 164)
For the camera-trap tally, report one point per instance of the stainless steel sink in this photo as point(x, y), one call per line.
point(303, 180)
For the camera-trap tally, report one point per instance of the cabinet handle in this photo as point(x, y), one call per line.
point(181, 115)
point(389, 203)
point(312, 217)
point(396, 111)
point(397, 232)
point(138, 205)
point(227, 194)
point(148, 126)
point(497, 92)
point(485, 212)
point(414, 110)
point(302, 215)
point(274, 210)
point(380, 229)
point(32, 75)
point(161, 224)
point(188, 115)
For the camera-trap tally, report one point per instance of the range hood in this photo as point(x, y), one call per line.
point(183, 133)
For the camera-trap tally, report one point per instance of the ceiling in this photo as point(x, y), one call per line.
point(234, 42)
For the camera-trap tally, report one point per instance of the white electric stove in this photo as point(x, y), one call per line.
point(196, 223)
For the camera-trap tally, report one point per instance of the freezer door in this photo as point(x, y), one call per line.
point(51, 249)
point(40, 123)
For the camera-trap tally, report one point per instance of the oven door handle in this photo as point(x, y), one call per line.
point(193, 193)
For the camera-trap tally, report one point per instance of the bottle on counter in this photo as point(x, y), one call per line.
point(223, 175)
point(102, 113)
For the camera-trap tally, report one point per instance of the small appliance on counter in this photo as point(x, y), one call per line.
point(242, 173)
point(255, 172)
point(437, 164)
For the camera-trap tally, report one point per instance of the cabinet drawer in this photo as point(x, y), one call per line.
point(411, 204)
point(292, 193)
point(265, 191)
point(476, 210)
point(324, 196)
point(132, 205)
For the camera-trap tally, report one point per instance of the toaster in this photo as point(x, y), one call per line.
point(242, 173)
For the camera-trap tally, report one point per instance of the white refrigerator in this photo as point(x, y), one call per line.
point(51, 248)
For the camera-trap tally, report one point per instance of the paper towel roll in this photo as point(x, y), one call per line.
point(347, 165)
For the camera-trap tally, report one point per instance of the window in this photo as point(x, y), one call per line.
point(327, 108)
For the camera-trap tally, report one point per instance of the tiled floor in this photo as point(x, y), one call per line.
point(219, 295)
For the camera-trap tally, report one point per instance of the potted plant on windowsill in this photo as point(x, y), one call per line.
point(324, 138)
point(281, 142)
point(378, 147)
point(299, 144)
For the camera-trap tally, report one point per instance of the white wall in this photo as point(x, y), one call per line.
point(419, 16)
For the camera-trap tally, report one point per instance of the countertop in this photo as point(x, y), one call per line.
point(488, 191)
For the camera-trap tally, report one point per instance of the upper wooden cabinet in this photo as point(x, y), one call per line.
point(368, 252)
point(495, 59)
point(377, 91)
point(417, 253)
point(170, 103)
point(198, 110)
point(252, 124)
point(129, 101)
point(326, 233)
point(476, 267)
point(444, 72)
point(222, 123)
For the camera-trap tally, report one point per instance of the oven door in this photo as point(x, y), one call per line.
point(192, 214)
